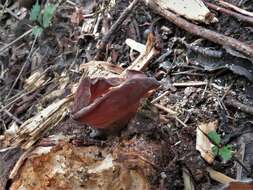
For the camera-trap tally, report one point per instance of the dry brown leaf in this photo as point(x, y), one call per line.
point(220, 177)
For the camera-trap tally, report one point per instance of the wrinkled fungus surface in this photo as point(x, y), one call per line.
point(110, 102)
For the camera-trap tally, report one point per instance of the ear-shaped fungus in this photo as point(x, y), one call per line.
point(106, 102)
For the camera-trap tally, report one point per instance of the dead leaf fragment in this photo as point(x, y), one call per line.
point(203, 145)
point(220, 177)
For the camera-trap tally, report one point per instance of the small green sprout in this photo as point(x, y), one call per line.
point(43, 17)
point(225, 152)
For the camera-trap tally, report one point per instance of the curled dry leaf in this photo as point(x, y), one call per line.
point(105, 103)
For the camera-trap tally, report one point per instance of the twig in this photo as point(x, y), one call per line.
point(241, 164)
point(14, 101)
point(181, 122)
point(99, 19)
point(23, 67)
point(71, 3)
point(113, 29)
point(238, 105)
point(13, 117)
point(14, 41)
point(10, 12)
point(227, 91)
point(201, 31)
point(239, 167)
point(19, 163)
point(230, 13)
point(193, 83)
point(169, 111)
point(160, 97)
point(238, 9)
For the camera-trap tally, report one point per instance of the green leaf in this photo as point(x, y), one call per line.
point(37, 31)
point(215, 150)
point(48, 14)
point(226, 152)
point(215, 137)
point(35, 11)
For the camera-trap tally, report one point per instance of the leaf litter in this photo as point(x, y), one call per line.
point(157, 148)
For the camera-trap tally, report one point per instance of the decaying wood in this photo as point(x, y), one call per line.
point(135, 45)
point(34, 128)
point(141, 62)
point(201, 31)
point(185, 8)
point(90, 167)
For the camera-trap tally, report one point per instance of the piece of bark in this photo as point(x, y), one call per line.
point(185, 8)
point(201, 31)
point(66, 166)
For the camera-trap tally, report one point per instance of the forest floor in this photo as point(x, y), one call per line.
point(202, 85)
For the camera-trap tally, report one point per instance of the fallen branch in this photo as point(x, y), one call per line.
point(238, 105)
point(233, 7)
point(230, 13)
point(201, 31)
